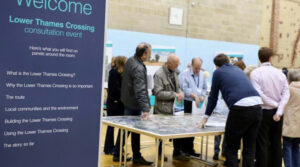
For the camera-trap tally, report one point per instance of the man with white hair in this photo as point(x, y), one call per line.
point(194, 86)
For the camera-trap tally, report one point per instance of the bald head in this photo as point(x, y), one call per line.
point(173, 58)
point(173, 62)
point(196, 65)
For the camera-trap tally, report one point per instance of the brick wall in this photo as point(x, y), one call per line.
point(288, 36)
point(230, 20)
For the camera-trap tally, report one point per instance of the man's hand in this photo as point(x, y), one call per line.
point(276, 117)
point(202, 123)
point(145, 116)
point(180, 96)
point(202, 98)
point(197, 100)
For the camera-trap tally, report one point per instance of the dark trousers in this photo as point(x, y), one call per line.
point(109, 140)
point(188, 142)
point(117, 146)
point(177, 144)
point(269, 149)
point(218, 143)
point(242, 123)
point(135, 138)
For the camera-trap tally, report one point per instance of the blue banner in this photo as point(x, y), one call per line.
point(51, 57)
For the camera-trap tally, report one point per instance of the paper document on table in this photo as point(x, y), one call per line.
point(213, 123)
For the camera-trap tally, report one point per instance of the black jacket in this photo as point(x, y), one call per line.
point(114, 105)
point(134, 92)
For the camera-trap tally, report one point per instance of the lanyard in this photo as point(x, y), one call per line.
point(197, 83)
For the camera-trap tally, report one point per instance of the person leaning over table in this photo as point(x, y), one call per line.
point(194, 86)
point(240, 64)
point(166, 89)
point(245, 112)
point(291, 123)
point(134, 94)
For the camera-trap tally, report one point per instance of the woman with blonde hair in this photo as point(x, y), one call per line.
point(291, 123)
point(114, 105)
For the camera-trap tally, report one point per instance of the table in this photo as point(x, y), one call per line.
point(163, 128)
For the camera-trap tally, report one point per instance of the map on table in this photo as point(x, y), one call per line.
point(170, 125)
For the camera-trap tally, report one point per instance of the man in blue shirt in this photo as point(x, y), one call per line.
point(245, 113)
point(194, 86)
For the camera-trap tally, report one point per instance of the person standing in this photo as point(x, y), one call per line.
point(291, 123)
point(114, 105)
point(272, 86)
point(244, 105)
point(221, 109)
point(194, 86)
point(166, 89)
point(134, 94)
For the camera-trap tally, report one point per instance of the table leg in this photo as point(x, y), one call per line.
point(202, 158)
point(206, 149)
point(157, 153)
point(201, 149)
point(162, 153)
point(242, 149)
point(125, 150)
point(121, 147)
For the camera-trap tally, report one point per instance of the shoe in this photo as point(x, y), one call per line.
point(191, 154)
point(141, 161)
point(165, 158)
point(111, 152)
point(117, 159)
point(194, 154)
point(216, 157)
point(180, 157)
point(225, 163)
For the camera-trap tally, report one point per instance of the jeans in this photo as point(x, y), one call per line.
point(291, 152)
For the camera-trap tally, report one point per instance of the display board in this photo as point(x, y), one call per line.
point(51, 61)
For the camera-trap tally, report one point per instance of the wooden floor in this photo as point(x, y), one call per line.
point(148, 152)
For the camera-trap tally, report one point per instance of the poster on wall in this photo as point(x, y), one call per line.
point(159, 55)
point(107, 61)
point(51, 59)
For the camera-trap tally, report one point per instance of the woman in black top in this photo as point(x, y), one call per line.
point(114, 105)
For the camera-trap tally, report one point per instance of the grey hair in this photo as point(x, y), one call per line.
point(294, 75)
point(249, 69)
point(194, 59)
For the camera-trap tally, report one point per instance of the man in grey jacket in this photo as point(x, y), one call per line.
point(134, 94)
point(166, 86)
point(166, 89)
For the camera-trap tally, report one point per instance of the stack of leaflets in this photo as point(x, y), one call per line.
point(178, 107)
